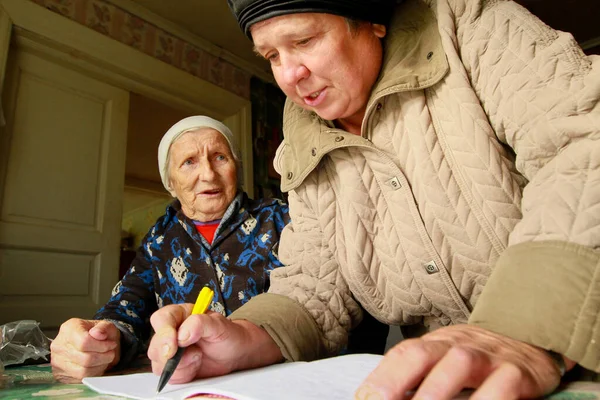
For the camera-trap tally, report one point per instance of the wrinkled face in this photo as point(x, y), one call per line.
point(203, 174)
point(320, 63)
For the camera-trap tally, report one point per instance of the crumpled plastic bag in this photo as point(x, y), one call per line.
point(22, 341)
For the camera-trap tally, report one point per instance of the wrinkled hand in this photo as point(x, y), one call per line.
point(214, 344)
point(84, 348)
point(444, 362)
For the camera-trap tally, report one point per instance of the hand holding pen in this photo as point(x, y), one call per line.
point(215, 345)
point(202, 303)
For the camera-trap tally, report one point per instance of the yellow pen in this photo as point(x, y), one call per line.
point(202, 302)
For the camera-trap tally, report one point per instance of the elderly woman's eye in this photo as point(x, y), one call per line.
point(221, 157)
point(304, 41)
point(271, 57)
point(189, 161)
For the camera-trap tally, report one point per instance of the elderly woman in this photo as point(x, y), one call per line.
point(211, 234)
point(443, 170)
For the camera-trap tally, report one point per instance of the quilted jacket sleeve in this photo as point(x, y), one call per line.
point(541, 95)
point(309, 308)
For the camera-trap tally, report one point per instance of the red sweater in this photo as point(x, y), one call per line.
point(207, 229)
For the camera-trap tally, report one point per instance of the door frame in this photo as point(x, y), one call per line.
point(80, 47)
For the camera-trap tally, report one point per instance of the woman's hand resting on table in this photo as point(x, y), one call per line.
point(442, 363)
point(84, 348)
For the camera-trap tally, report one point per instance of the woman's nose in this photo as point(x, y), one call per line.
point(206, 171)
point(293, 70)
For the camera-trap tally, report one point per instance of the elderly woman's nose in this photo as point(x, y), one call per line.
point(206, 170)
point(293, 70)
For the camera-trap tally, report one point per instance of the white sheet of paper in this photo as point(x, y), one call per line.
point(333, 379)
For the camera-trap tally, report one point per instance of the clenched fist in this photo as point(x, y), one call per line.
point(84, 348)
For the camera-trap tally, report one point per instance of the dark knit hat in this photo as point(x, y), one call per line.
point(248, 12)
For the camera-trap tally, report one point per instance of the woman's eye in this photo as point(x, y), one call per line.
point(304, 41)
point(272, 57)
point(189, 161)
point(221, 157)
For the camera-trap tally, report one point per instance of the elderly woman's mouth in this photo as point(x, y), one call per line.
point(210, 192)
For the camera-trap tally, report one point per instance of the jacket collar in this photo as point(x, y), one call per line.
point(231, 216)
point(239, 210)
point(413, 59)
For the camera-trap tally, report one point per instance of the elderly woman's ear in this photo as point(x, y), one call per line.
point(171, 191)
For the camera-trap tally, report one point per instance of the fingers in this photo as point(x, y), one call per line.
point(73, 373)
point(170, 316)
point(77, 334)
point(460, 368)
point(451, 359)
point(77, 354)
point(195, 327)
point(171, 322)
point(90, 359)
point(106, 334)
point(402, 368)
point(186, 369)
point(166, 322)
point(503, 383)
point(173, 332)
point(105, 330)
point(214, 344)
point(78, 367)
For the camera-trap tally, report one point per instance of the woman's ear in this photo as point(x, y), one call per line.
point(379, 30)
point(171, 190)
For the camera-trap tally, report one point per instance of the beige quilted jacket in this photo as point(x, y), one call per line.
point(473, 193)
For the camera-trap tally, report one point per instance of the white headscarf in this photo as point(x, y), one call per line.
point(186, 125)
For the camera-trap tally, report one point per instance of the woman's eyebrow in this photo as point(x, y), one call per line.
point(183, 155)
point(256, 51)
point(286, 36)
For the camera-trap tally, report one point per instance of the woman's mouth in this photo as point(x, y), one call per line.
point(315, 98)
point(210, 192)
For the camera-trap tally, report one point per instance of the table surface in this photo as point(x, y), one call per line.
point(37, 382)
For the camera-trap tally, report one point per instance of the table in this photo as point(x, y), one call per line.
point(37, 382)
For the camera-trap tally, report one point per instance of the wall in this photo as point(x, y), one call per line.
point(267, 133)
point(138, 220)
point(123, 26)
point(141, 35)
point(148, 122)
point(144, 197)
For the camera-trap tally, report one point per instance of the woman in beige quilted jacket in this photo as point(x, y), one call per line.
point(443, 169)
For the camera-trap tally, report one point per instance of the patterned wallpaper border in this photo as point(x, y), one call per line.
point(135, 32)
